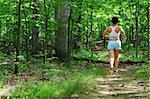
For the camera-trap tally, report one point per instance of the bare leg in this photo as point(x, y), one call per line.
point(111, 58)
point(116, 63)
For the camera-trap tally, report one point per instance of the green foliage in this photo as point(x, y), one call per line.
point(4, 68)
point(95, 16)
point(132, 57)
point(75, 84)
point(83, 54)
point(26, 91)
point(49, 90)
point(87, 54)
point(66, 88)
point(103, 56)
point(2, 77)
point(88, 20)
point(2, 57)
point(143, 72)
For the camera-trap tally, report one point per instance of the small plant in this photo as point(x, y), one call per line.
point(91, 55)
point(2, 57)
point(1, 80)
point(143, 72)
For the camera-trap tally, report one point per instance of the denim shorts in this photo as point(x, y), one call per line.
point(114, 45)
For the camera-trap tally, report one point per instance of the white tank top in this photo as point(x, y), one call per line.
point(113, 33)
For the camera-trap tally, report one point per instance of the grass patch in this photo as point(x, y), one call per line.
point(1, 81)
point(2, 57)
point(75, 84)
point(143, 72)
point(103, 56)
point(131, 57)
point(2, 78)
point(85, 54)
point(64, 89)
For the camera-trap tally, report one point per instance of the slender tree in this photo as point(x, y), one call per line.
point(27, 30)
point(46, 31)
point(87, 37)
point(79, 19)
point(148, 17)
point(18, 38)
point(35, 30)
point(136, 20)
point(91, 22)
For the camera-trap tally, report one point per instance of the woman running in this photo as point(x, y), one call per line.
point(114, 43)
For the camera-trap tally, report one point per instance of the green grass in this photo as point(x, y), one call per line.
point(65, 79)
point(131, 57)
point(103, 56)
point(2, 57)
point(77, 83)
point(3, 71)
point(64, 89)
point(143, 72)
point(2, 77)
point(1, 82)
point(85, 54)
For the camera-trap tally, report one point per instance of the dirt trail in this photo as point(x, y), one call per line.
point(124, 87)
point(7, 90)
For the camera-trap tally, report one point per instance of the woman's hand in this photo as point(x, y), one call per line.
point(106, 37)
point(124, 41)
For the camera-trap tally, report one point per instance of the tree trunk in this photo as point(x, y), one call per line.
point(79, 19)
point(46, 12)
point(27, 31)
point(46, 31)
point(18, 38)
point(62, 17)
point(136, 20)
point(70, 31)
point(148, 16)
point(91, 26)
point(35, 30)
point(87, 37)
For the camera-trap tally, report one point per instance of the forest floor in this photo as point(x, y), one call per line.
point(123, 85)
point(6, 90)
point(120, 86)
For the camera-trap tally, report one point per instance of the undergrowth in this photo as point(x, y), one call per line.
point(77, 83)
point(143, 72)
point(103, 56)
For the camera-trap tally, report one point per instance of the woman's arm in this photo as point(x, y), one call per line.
point(104, 34)
point(123, 35)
